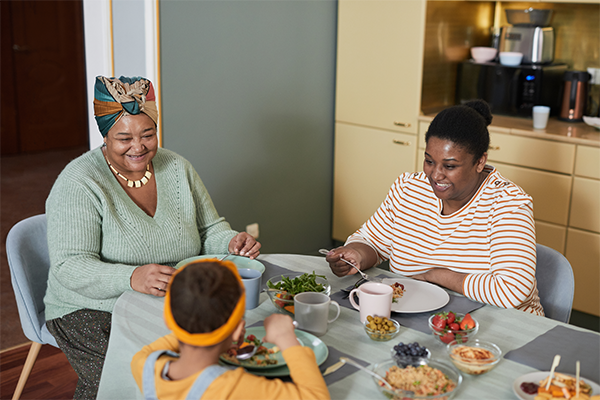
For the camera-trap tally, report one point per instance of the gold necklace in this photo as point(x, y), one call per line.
point(139, 183)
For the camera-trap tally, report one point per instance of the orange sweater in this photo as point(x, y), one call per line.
point(237, 384)
point(491, 239)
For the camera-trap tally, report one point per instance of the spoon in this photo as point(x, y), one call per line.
point(555, 363)
point(365, 276)
point(376, 375)
point(225, 256)
point(246, 352)
point(577, 366)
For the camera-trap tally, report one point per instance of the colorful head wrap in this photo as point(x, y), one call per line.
point(114, 98)
point(219, 334)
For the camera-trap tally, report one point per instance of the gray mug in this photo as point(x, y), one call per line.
point(311, 311)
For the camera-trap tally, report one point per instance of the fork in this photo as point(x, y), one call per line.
point(364, 276)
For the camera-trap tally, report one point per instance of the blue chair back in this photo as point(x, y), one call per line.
point(29, 263)
point(555, 282)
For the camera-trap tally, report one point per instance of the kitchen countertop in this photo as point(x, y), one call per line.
point(568, 132)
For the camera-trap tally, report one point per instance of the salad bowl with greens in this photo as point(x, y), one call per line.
point(283, 288)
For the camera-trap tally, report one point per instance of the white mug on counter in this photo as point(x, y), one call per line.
point(540, 117)
point(311, 311)
point(375, 299)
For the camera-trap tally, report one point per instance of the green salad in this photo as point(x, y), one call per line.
point(303, 283)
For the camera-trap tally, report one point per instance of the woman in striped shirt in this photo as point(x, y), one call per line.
point(458, 224)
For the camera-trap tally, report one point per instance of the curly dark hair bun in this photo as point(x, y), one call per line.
point(465, 125)
point(482, 108)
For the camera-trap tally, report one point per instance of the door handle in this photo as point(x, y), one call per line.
point(404, 124)
point(20, 49)
point(401, 142)
point(493, 147)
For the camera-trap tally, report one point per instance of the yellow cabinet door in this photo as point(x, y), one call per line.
point(531, 152)
point(380, 62)
point(585, 211)
point(551, 235)
point(367, 162)
point(583, 252)
point(551, 192)
point(587, 162)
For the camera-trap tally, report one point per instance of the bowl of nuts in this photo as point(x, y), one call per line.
point(381, 329)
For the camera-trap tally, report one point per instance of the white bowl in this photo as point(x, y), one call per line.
point(483, 54)
point(510, 58)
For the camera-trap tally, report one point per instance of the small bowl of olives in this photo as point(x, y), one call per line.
point(381, 329)
point(405, 354)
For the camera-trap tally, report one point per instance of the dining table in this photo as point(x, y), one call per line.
point(526, 340)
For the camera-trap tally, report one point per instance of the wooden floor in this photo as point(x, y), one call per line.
point(51, 377)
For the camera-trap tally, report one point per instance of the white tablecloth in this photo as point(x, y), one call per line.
point(137, 321)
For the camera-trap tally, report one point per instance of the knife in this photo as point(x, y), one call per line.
point(332, 368)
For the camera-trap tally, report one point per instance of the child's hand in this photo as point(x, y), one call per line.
point(280, 331)
point(242, 335)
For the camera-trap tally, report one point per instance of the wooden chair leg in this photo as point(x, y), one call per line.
point(31, 357)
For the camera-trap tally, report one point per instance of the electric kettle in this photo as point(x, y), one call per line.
point(574, 95)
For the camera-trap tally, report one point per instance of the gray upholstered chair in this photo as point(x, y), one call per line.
point(27, 253)
point(556, 283)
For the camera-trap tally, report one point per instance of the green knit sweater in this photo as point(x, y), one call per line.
point(97, 235)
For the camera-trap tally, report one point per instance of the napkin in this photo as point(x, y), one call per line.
point(571, 344)
point(332, 357)
point(419, 321)
point(272, 270)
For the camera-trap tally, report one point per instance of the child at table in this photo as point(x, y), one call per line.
point(204, 306)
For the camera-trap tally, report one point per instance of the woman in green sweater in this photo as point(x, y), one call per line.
point(119, 218)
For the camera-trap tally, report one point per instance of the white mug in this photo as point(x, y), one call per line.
point(375, 299)
point(311, 311)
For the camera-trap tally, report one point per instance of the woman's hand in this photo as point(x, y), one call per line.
point(359, 254)
point(151, 279)
point(244, 244)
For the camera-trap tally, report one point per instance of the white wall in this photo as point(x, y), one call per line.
point(120, 40)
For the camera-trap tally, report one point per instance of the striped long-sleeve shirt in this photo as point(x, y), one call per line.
point(491, 239)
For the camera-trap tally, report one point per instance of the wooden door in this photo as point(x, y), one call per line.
point(43, 76)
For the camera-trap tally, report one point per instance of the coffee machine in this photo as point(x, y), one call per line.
point(529, 34)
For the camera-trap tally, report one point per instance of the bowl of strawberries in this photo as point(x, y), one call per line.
point(448, 326)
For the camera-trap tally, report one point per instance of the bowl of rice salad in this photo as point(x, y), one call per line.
point(433, 379)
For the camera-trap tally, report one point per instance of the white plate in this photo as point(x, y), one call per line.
point(592, 121)
point(418, 296)
point(536, 377)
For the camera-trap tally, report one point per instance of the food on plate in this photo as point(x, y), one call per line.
point(562, 387)
point(398, 291)
point(422, 380)
point(260, 358)
point(381, 328)
point(529, 387)
point(449, 326)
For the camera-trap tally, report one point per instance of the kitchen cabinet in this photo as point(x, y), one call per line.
point(366, 163)
point(583, 252)
point(378, 96)
point(380, 63)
